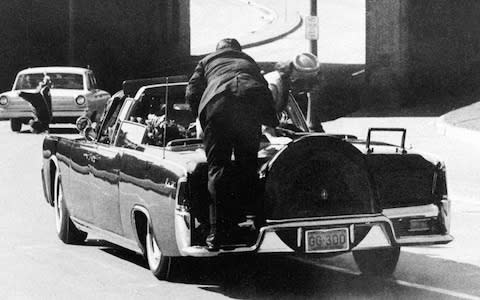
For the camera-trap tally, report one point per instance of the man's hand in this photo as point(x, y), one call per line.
point(268, 131)
point(271, 135)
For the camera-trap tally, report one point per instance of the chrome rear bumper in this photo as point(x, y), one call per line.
point(381, 234)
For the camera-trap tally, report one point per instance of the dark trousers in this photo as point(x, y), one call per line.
point(231, 126)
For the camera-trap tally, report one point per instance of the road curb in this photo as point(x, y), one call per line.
point(456, 132)
point(269, 36)
point(270, 32)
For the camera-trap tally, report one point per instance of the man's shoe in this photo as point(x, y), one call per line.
point(214, 241)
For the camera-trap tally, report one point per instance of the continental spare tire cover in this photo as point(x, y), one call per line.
point(318, 176)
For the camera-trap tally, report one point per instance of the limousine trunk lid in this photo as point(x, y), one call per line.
point(318, 176)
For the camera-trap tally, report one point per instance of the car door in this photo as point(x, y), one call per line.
point(104, 166)
point(104, 171)
point(132, 185)
point(80, 202)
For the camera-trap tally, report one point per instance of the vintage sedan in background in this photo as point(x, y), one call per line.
point(322, 194)
point(74, 93)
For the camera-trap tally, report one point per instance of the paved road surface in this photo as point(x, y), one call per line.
point(36, 265)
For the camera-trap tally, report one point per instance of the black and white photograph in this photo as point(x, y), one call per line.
point(240, 149)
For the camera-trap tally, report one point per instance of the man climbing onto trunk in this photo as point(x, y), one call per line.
point(231, 98)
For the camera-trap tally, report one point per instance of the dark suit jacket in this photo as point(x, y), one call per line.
point(41, 102)
point(231, 71)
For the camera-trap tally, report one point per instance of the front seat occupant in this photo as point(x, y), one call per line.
point(232, 100)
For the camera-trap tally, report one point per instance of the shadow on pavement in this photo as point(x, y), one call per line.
point(117, 251)
point(282, 278)
point(127, 255)
point(277, 277)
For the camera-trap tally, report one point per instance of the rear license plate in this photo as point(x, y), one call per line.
point(326, 240)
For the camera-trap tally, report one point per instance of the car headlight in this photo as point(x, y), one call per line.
point(80, 100)
point(3, 100)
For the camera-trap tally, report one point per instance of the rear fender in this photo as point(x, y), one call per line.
point(413, 193)
point(407, 179)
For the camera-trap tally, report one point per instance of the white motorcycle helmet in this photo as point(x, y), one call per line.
point(306, 64)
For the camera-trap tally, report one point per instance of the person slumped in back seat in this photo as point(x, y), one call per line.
point(160, 130)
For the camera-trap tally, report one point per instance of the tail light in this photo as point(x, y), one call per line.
point(440, 190)
point(80, 100)
point(3, 100)
point(419, 225)
point(182, 194)
point(439, 186)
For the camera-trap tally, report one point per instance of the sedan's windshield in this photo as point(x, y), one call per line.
point(59, 81)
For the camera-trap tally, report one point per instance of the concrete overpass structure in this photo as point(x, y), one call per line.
point(415, 49)
point(118, 39)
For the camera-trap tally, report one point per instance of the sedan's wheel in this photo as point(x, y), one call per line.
point(66, 230)
point(159, 264)
point(15, 125)
point(377, 261)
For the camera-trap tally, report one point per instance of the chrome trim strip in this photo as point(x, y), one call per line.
point(343, 221)
point(5, 113)
point(299, 236)
point(69, 113)
point(323, 218)
point(428, 210)
point(15, 114)
point(352, 233)
point(424, 240)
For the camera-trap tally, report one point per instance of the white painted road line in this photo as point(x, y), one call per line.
point(434, 289)
point(392, 280)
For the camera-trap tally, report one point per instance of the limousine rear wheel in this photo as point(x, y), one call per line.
point(159, 264)
point(377, 261)
point(66, 230)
